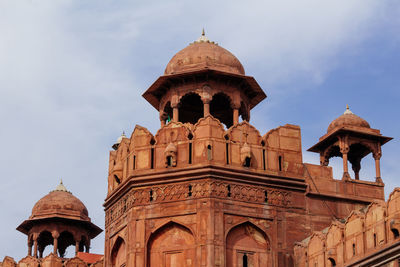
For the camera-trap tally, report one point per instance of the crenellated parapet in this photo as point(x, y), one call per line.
point(50, 260)
point(180, 146)
point(361, 239)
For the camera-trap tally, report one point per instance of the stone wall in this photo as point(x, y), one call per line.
point(365, 233)
point(49, 261)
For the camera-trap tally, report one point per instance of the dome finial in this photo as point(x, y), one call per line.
point(348, 111)
point(203, 38)
point(61, 187)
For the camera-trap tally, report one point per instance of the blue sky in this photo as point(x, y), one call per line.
point(72, 74)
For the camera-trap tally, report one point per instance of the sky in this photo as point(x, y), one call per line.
point(72, 74)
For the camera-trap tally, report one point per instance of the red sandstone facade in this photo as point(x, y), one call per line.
point(208, 190)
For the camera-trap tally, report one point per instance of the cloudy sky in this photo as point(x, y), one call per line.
point(72, 74)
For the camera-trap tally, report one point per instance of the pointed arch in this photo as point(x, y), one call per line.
point(170, 244)
point(118, 253)
point(246, 243)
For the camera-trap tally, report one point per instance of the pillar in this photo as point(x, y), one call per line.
point(175, 113)
point(377, 157)
point(206, 103)
point(344, 149)
point(87, 245)
point(235, 116)
point(30, 244)
point(55, 241)
point(35, 246)
point(76, 247)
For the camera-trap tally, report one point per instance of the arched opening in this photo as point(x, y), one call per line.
point(247, 244)
point(191, 108)
point(84, 244)
point(395, 233)
point(44, 240)
point(247, 162)
point(243, 112)
point(167, 115)
point(65, 240)
point(332, 262)
point(171, 245)
point(356, 153)
point(220, 108)
point(245, 263)
point(118, 253)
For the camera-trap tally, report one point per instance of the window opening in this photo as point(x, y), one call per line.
point(374, 240)
point(190, 153)
point(190, 190)
point(266, 196)
point(134, 162)
point(117, 179)
point(247, 162)
point(245, 263)
point(209, 155)
point(354, 249)
point(151, 194)
point(169, 161)
point(229, 190)
point(227, 153)
point(220, 108)
point(395, 233)
point(332, 261)
point(263, 155)
point(280, 163)
point(152, 158)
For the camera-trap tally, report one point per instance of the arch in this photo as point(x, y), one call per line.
point(65, 240)
point(167, 112)
point(221, 108)
point(172, 244)
point(332, 262)
point(118, 253)
point(247, 243)
point(191, 108)
point(44, 239)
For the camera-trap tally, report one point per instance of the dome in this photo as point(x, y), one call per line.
point(348, 119)
point(204, 54)
point(60, 203)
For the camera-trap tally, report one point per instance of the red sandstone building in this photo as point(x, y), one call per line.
point(208, 189)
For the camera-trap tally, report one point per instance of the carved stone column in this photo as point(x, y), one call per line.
point(163, 118)
point(30, 244)
point(175, 112)
point(55, 241)
point(377, 157)
point(236, 108)
point(206, 103)
point(344, 149)
point(76, 247)
point(35, 245)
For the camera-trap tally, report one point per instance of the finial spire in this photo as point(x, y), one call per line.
point(203, 38)
point(348, 111)
point(61, 187)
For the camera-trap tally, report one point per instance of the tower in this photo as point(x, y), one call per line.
point(59, 219)
point(208, 189)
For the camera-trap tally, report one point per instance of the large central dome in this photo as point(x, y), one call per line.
point(203, 54)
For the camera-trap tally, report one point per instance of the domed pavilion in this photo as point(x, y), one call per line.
point(59, 219)
point(351, 138)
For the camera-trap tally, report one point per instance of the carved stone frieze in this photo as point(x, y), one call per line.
point(196, 190)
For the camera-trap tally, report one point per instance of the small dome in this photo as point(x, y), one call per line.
point(60, 203)
point(348, 119)
point(119, 140)
point(204, 54)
